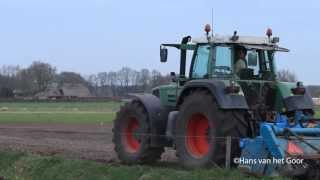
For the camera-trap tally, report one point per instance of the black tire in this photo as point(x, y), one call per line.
point(131, 135)
point(194, 152)
point(313, 172)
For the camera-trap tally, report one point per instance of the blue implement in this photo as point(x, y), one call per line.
point(282, 147)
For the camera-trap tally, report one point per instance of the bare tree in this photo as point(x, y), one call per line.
point(93, 80)
point(156, 78)
point(103, 83)
point(25, 82)
point(286, 76)
point(93, 84)
point(113, 82)
point(42, 74)
point(124, 78)
point(145, 79)
point(9, 71)
point(134, 78)
point(8, 80)
point(137, 79)
point(102, 78)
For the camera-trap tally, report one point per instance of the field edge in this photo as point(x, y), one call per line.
point(16, 165)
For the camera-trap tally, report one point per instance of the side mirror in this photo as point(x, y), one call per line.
point(163, 54)
point(252, 59)
point(173, 76)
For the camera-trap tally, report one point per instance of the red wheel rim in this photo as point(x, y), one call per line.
point(131, 142)
point(197, 140)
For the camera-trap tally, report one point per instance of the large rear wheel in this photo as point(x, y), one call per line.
point(131, 135)
point(201, 129)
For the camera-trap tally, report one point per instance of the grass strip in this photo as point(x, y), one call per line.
point(14, 165)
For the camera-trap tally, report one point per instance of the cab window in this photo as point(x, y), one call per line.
point(260, 63)
point(200, 66)
point(255, 67)
point(222, 61)
point(268, 56)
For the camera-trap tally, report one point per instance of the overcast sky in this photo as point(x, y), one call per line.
point(90, 36)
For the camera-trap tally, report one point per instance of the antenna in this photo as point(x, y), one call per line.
point(212, 22)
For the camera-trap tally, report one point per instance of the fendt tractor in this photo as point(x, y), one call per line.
point(230, 107)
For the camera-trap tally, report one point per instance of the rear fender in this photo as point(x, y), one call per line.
point(299, 102)
point(290, 101)
point(217, 89)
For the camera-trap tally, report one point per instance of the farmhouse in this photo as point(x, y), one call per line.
point(67, 90)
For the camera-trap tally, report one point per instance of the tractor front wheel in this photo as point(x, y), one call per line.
point(131, 135)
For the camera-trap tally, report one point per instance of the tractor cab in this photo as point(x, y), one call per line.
point(246, 60)
point(216, 57)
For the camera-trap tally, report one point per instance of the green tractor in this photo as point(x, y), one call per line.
point(217, 98)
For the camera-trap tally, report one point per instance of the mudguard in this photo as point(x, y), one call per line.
point(298, 102)
point(157, 119)
point(291, 101)
point(217, 88)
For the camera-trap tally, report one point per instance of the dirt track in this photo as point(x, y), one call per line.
point(85, 141)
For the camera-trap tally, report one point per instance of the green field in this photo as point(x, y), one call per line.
point(58, 112)
point(26, 166)
point(62, 112)
point(59, 106)
point(15, 165)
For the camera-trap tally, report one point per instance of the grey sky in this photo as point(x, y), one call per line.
point(89, 36)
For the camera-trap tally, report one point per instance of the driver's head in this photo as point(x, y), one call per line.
point(241, 52)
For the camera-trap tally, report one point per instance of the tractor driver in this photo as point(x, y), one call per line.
point(240, 62)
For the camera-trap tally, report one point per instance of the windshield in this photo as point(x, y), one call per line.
point(225, 61)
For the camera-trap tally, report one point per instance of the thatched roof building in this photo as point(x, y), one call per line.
point(75, 90)
point(68, 90)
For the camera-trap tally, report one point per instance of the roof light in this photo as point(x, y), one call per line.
point(207, 28)
point(269, 32)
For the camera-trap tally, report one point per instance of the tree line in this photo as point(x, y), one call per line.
point(125, 81)
point(40, 75)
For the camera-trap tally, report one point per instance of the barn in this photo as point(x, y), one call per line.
point(66, 91)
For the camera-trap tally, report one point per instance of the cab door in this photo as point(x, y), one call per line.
point(199, 66)
point(200, 63)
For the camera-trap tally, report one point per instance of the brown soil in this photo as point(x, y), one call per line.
point(84, 141)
